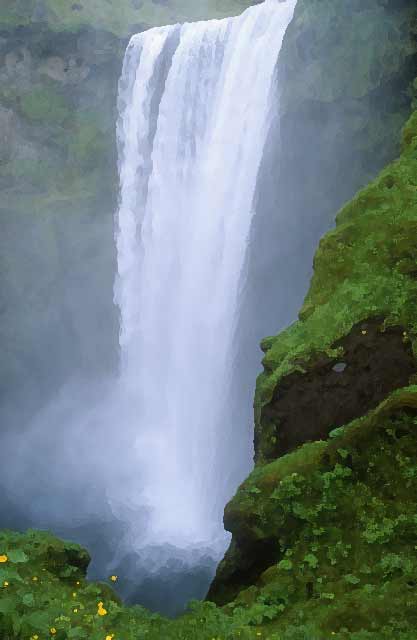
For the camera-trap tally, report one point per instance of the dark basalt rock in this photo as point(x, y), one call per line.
point(306, 407)
point(249, 561)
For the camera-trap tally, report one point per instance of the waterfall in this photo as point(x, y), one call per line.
point(194, 113)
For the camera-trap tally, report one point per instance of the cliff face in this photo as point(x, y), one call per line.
point(324, 526)
point(58, 179)
point(328, 530)
point(343, 94)
point(59, 68)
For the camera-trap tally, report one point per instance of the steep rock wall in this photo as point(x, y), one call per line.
point(319, 524)
point(343, 92)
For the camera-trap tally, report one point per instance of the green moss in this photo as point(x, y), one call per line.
point(118, 18)
point(37, 173)
point(45, 105)
point(14, 13)
point(89, 144)
point(365, 267)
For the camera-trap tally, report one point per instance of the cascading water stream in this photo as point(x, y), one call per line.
point(194, 104)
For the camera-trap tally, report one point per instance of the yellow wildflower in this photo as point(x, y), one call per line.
point(74, 595)
point(110, 637)
point(101, 610)
point(53, 631)
point(78, 582)
point(35, 578)
point(5, 583)
point(35, 637)
point(4, 558)
point(75, 610)
point(114, 578)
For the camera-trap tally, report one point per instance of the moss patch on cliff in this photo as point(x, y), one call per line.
point(45, 105)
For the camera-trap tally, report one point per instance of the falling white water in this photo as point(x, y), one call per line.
point(194, 105)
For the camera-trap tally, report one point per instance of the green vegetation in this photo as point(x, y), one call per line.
point(343, 514)
point(89, 143)
point(118, 18)
point(15, 13)
point(45, 105)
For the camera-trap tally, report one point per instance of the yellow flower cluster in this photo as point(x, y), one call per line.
point(101, 611)
point(3, 558)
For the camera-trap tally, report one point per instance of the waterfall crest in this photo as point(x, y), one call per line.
point(194, 113)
